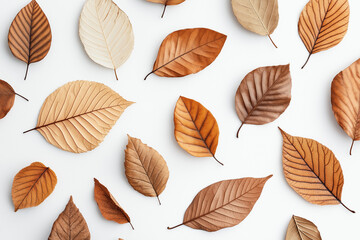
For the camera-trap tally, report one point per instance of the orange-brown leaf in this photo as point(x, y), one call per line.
point(32, 185)
point(7, 98)
point(109, 207)
point(196, 129)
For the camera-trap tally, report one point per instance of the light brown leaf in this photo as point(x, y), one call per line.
point(196, 129)
point(109, 207)
point(302, 229)
point(223, 204)
point(263, 95)
point(7, 98)
point(70, 225)
point(257, 16)
point(78, 116)
point(187, 51)
point(323, 24)
point(312, 170)
point(30, 34)
point(166, 3)
point(345, 100)
point(145, 168)
point(32, 185)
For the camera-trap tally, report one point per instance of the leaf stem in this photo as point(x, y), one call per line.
point(218, 160)
point(237, 134)
point(347, 207)
point(27, 70)
point(148, 74)
point(272, 41)
point(29, 130)
point(158, 199)
point(169, 228)
point(131, 226)
point(22, 96)
point(115, 74)
point(352, 144)
point(165, 5)
point(306, 61)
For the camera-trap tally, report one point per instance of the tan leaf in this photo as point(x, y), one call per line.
point(345, 100)
point(312, 170)
point(70, 225)
point(257, 16)
point(7, 98)
point(32, 185)
point(166, 3)
point(323, 24)
point(263, 95)
point(109, 207)
point(78, 116)
point(187, 51)
point(106, 33)
point(30, 35)
point(145, 168)
point(302, 229)
point(196, 129)
point(223, 204)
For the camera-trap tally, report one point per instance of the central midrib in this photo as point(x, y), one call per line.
point(257, 14)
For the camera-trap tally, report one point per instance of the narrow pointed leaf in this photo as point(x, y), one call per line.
point(302, 229)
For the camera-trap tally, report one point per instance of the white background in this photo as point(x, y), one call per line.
point(257, 153)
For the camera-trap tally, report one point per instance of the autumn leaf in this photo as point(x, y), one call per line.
point(312, 170)
point(145, 168)
point(7, 98)
point(302, 229)
point(196, 129)
point(109, 207)
point(223, 204)
point(187, 51)
point(32, 185)
point(30, 35)
point(166, 3)
point(257, 16)
point(106, 33)
point(263, 95)
point(70, 225)
point(323, 24)
point(78, 116)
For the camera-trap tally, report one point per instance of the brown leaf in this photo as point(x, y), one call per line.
point(78, 116)
point(70, 225)
point(32, 185)
point(312, 170)
point(196, 129)
point(223, 204)
point(323, 24)
point(302, 229)
point(187, 51)
point(263, 95)
point(166, 3)
point(30, 34)
point(345, 100)
point(7, 98)
point(145, 168)
point(109, 207)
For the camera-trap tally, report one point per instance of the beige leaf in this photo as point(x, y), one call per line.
point(106, 33)
point(302, 229)
point(145, 168)
point(78, 116)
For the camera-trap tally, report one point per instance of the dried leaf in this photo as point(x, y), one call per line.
point(145, 168)
point(345, 100)
point(196, 129)
point(257, 16)
point(78, 116)
point(32, 185)
point(263, 95)
point(109, 207)
point(70, 225)
point(7, 98)
point(302, 229)
point(106, 33)
point(187, 51)
point(30, 35)
point(323, 24)
point(312, 170)
point(223, 204)
point(166, 3)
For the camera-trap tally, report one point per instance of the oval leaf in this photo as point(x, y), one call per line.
point(257, 16)
point(70, 225)
point(312, 170)
point(323, 24)
point(196, 129)
point(263, 95)
point(345, 100)
point(30, 34)
point(78, 116)
point(106, 33)
point(109, 207)
point(223, 204)
point(145, 168)
point(7, 98)
point(166, 3)
point(302, 229)
point(187, 51)
point(32, 185)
